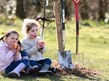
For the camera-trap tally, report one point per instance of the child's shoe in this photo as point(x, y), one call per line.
point(13, 75)
point(32, 70)
point(52, 69)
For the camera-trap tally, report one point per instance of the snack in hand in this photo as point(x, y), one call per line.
point(41, 43)
point(15, 45)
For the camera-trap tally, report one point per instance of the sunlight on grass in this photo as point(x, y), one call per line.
point(93, 44)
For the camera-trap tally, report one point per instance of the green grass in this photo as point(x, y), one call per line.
point(93, 44)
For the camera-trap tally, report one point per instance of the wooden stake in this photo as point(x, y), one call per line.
point(57, 13)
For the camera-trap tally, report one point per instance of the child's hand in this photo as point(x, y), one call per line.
point(18, 47)
point(12, 46)
point(40, 44)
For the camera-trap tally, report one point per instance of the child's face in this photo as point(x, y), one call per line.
point(33, 32)
point(12, 38)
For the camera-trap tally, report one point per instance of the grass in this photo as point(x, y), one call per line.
point(93, 44)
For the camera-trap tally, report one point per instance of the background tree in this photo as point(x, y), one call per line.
point(69, 9)
point(20, 9)
point(84, 9)
point(94, 9)
point(103, 8)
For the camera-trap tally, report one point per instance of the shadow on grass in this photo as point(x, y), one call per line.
point(41, 78)
point(46, 77)
point(58, 78)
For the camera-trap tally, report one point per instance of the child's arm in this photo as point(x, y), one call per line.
point(18, 47)
point(6, 56)
point(17, 56)
point(41, 46)
point(43, 50)
point(29, 50)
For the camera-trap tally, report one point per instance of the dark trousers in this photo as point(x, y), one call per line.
point(40, 63)
point(14, 64)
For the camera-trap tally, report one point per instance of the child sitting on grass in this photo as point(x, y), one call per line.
point(35, 47)
point(11, 62)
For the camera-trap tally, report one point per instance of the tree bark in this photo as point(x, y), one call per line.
point(103, 6)
point(84, 10)
point(20, 9)
point(57, 13)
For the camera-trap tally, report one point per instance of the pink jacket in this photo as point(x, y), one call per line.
point(6, 57)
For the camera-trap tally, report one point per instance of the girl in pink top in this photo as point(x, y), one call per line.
point(11, 61)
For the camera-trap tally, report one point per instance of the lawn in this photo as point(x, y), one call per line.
point(93, 45)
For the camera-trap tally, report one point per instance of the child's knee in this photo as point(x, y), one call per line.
point(26, 62)
point(48, 60)
point(24, 53)
point(32, 63)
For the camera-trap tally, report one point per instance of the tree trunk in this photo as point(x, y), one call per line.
point(83, 9)
point(32, 8)
point(20, 9)
point(68, 9)
point(103, 6)
point(57, 13)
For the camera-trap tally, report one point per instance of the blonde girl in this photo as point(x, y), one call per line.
point(35, 46)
